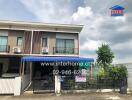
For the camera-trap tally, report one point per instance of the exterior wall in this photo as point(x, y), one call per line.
point(37, 40)
point(51, 37)
point(12, 38)
point(3, 32)
point(7, 86)
point(27, 42)
point(51, 41)
point(10, 86)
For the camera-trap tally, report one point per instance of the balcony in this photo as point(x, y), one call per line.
point(60, 50)
point(4, 48)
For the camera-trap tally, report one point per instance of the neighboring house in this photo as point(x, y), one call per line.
point(23, 45)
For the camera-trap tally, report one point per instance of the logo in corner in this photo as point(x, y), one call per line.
point(117, 10)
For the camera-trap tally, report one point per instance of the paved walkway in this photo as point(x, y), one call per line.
point(88, 96)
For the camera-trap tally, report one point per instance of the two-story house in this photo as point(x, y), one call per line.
point(25, 45)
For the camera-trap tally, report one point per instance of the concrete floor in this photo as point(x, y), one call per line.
point(78, 96)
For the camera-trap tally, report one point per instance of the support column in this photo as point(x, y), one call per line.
point(23, 69)
point(31, 48)
point(57, 80)
point(57, 84)
point(31, 71)
point(17, 86)
point(20, 70)
point(91, 71)
point(18, 80)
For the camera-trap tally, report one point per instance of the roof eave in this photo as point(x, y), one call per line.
point(38, 24)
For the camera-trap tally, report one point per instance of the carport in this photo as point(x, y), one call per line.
point(52, 59)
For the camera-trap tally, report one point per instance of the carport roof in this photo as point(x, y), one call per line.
point(56, 59)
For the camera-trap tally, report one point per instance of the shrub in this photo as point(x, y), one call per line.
point(114, 72)
point(103, 73)
point(118, 72)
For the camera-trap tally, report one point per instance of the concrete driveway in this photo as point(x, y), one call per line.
point(88, 96)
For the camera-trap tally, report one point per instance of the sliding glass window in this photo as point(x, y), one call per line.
point(3, 43)
point(65, 46)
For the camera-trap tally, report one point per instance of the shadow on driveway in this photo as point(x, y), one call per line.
point(77, 96)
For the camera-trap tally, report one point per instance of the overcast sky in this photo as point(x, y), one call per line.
point(99, 26)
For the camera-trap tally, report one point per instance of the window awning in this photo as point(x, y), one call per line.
point(56, 59)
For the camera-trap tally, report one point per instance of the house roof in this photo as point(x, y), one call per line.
point(38, 26)
point(117, 7)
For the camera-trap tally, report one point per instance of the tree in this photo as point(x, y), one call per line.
point(105, 55)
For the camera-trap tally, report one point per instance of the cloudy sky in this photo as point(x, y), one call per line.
point(99, 26)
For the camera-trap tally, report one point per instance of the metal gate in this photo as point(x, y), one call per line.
point(44, 84)
point(69, 83)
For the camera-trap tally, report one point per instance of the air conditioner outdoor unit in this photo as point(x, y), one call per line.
point(17, 50)
point(45, 50)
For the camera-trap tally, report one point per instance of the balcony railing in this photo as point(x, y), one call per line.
point(60, 50)
point(4, 48)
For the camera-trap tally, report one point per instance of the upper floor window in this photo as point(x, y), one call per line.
point(3, 43)
point(65, 46)
point(19, 41)
point(44, 42)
